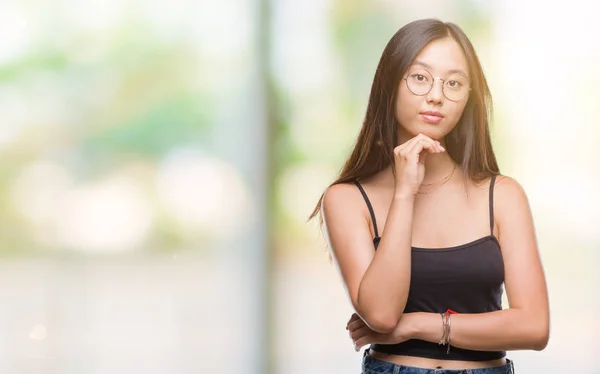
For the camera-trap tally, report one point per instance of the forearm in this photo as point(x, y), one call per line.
point(510, 329)
point(384, 288)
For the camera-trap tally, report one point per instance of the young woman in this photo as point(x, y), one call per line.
point(422, 226)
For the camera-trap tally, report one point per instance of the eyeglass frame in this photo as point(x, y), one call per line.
point(433, 82)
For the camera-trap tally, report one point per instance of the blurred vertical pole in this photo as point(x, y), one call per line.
point(264, 180)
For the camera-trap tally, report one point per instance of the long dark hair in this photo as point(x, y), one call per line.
point(468, 144)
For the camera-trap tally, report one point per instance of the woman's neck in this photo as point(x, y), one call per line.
point(437, 167)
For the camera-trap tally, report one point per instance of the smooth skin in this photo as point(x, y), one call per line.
point(378, 282)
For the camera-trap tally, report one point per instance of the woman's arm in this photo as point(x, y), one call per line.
point(503, 330)
point(378, 282)
point(526, 324)
point(363, 269)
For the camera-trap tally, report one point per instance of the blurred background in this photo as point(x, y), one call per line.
point(158, 162)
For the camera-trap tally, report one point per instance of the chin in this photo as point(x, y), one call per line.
point(432, 131)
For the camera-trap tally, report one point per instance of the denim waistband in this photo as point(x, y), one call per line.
point(372, 365)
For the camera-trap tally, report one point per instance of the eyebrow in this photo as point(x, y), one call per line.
point(451, 71)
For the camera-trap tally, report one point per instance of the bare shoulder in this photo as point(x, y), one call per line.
point(342, 199)
point(339, 193)
point(508, 191)
point(512, 210)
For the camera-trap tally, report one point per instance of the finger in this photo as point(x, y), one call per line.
point(409, 143)
point(417, 148)
point(427, 148)
point(438, 146)
point(355, 325)
point(398, 150)
point(360, 332)
point(367, 339)
point(422, 143)
point(353, 318)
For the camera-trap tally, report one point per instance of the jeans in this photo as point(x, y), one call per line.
point(373, 365)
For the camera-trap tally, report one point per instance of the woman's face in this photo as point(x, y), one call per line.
point(433, 113)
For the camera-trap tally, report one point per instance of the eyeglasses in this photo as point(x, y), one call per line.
point(456, 87)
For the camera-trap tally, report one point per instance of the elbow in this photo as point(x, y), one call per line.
point(382, 318)
point(382, 323)
point(540, 338)
point(541, 342)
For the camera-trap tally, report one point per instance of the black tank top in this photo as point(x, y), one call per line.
point(466, 278)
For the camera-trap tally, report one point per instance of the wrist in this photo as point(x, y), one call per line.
point(404, 196)
point(427, 327)
point(414, 325)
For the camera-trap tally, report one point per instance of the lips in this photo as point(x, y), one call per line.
point(432, 113)
point(431, 116)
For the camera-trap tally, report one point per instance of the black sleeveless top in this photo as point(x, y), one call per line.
point(466, 278)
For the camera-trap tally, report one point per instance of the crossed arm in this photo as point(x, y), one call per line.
point(525, 325)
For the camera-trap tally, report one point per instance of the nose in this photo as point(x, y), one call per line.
point(436, 94)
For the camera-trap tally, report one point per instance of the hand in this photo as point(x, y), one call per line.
point(410, 163)
point(361, 334)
